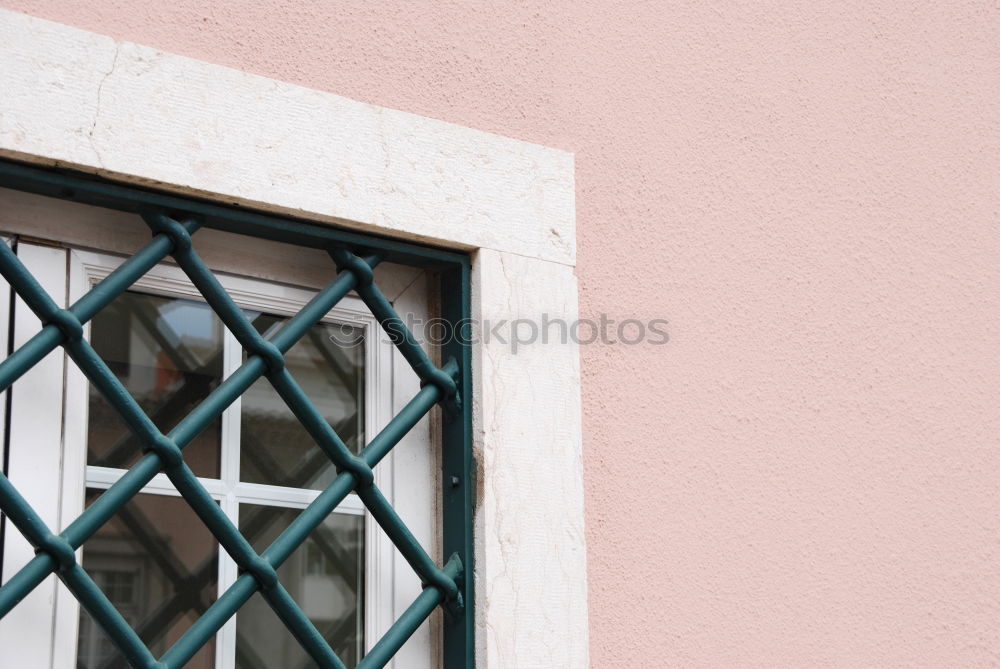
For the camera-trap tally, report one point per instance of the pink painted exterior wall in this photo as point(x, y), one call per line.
point(808, 474)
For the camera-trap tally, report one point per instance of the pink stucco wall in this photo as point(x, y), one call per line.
point(809, 473)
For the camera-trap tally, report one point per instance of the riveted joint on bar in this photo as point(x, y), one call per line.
point(445, 584)
point(448, 380)
point(67, 323)
point(453, 603)
point(361, 270)
point(60, 550)
point(168, 452)
point(361, 471)
point(263, 573)
point(445, 383)
point(269, 354)
point(160, 223)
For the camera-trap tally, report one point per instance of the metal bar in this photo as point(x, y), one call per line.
point(160, 447)
point(79, 187)
point(211, 407)
point(150, 464)
point(300, 404)
point(407, 544)
point(458, 467)
point(292, 537)
point(168, 411)
point(69, 571)
point(393, 325)
point(107, 616)
point(337, 491)
point(383, 513)
point(169, 453)
point(20, 513)
point(101, 295)
point(302, 628)
point(449, 385)
point(408, 623)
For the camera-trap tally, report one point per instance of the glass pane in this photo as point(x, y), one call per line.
point(325, 577)
point(168, 354)
point(328, 363)
point(158, 564)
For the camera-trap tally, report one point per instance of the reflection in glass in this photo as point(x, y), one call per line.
point(327, 363)
point(325, 577)
point(168, 354)
point(158, 564)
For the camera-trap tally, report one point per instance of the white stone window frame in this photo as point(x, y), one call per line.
point(134, 114)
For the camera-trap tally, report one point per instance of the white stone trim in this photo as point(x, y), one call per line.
point(132, 113)
point(532, 569)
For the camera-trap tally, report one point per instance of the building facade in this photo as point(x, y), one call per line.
point(732, 282)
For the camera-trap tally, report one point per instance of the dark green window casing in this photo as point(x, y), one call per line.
point(173, 221)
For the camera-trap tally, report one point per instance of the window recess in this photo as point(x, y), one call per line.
point(186, 393)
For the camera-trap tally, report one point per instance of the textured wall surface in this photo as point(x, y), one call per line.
point(808, 474)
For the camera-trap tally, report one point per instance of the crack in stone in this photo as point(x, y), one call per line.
point(97, 110)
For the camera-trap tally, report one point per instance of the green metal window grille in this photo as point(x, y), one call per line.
point(173, 221)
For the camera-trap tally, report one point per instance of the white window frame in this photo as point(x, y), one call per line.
point(132, 113)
